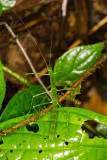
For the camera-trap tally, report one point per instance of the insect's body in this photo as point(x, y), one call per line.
point(54, 104)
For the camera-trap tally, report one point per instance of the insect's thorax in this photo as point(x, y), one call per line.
point(53, 88)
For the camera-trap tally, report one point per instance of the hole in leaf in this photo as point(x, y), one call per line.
point(58, 136)
point(1, 141)
point(66, 143)
point(11, 151)
point(34, 127)
point(20, 144)
point(85, 127)
point(40, 151)
point(92, 128)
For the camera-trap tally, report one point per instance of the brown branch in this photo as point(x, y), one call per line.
point(85, 75)
point(28, 120)
point(48, 109)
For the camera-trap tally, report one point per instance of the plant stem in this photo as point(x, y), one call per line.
point(85, 75)
point(17, 76)
point(26, 121)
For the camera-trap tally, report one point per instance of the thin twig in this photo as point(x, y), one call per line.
point(26, 56)
point(85, 75)
point(64, 7)
point(48, 109)
point(28, 120)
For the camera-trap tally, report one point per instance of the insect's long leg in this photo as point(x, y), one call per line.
point(45, 89)
point(40, 94)
point(37, 95)
point(42, 104)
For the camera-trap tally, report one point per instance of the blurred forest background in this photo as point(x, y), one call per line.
point(70, 24)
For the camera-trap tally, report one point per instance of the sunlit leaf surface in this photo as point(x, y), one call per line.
point(70, 141)
point(73, 63)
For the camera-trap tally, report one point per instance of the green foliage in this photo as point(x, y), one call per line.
point(75, 62)
point(2, 85)
point(70, 142)
point(21, 104)
point(6, 4)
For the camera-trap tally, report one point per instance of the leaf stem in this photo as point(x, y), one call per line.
point(17, 76)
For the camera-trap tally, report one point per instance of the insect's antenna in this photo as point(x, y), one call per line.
point(51, 48)
point(32, 38)
point(38, 49)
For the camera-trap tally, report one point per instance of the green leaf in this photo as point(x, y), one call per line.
point(22, 103)
point(73, 63)
point(7, 4)
point(2, 85)
point(70, 141)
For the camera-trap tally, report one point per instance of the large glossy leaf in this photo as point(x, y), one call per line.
point(22, 103)
point(2, 85)
point(7, 4)
point(70, 141)
point(73, 63)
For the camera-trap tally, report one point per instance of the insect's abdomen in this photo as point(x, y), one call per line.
point(54, 105)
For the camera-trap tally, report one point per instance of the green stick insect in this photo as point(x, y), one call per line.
point(53, 96)
point(53, 91)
